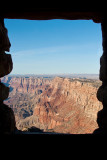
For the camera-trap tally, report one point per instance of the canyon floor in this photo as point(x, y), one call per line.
point(54, 104)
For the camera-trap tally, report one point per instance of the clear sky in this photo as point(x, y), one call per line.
point(55, 46)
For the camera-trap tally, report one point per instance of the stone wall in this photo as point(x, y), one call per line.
point(68, 13)
point(7, 119)
point(102, 91)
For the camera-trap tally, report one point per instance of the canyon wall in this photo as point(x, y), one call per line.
point(60, 105)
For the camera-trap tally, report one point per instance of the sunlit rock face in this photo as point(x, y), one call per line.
point(61, 104)
point(69, 107)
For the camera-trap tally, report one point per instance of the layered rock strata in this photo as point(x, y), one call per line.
point(59, 105)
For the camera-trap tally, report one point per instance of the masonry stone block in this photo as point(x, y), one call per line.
point(4, 40)
point(4, 92)
point(103, 68)
point(6, 64)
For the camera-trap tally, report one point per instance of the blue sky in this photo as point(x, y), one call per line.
point(55, 46)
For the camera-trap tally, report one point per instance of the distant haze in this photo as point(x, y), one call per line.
point(87, 76)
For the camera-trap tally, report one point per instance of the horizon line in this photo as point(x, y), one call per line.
point(55, 74)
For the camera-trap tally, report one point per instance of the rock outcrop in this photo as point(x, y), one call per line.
point(69, 107)
point(59, 105)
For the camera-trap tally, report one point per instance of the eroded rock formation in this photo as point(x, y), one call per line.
point(69, 107)
point(61, 104)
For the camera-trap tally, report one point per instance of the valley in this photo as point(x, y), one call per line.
point(54, 104)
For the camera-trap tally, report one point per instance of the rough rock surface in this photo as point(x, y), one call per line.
point(6, 64)
point(102, 91)
point(60, 105)
point(7, 120)
point(4, 92)
point(63, 11)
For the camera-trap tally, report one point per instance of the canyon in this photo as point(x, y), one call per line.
point(54, 104)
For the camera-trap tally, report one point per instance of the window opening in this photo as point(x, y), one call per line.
point(55, 77)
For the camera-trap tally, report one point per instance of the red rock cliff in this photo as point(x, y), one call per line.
point(69, 107)
point(61, 105)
